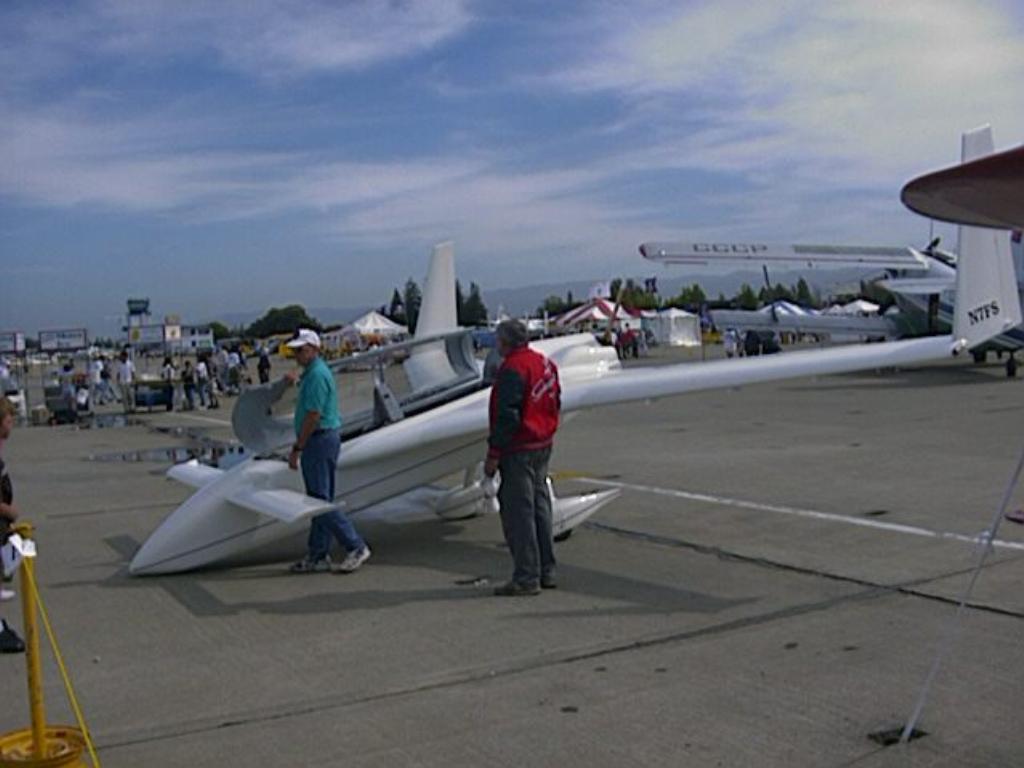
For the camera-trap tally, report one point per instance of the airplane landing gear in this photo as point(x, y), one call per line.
point(1011, 366)
point(979, 356)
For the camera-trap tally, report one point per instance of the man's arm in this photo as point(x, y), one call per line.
point(8, 512)
point(508, 416)
point(309, 425)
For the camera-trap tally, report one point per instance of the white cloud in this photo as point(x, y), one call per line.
point(62, 157)
point(808, 107)
point(881, 89)
point(262, 38)
point(65, 158)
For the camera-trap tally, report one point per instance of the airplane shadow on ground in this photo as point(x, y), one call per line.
point(921, 378)
point(426, 545)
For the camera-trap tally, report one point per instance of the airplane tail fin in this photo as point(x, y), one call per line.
point(438, 312)
point(428, 365)
point(987, 300)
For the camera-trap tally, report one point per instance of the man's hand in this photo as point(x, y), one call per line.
point(293, 458)
point(291, 377)
point(490, 466)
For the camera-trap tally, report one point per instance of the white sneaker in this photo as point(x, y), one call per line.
point(354, 559)
point(7, 594)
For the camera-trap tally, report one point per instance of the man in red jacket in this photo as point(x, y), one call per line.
point(525, 401)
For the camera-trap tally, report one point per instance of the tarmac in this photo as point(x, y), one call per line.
point(770, 590)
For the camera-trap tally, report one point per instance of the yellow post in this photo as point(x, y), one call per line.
point(32, 660)
point(38, 746)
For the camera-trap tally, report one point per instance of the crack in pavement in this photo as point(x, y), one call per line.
point(905, 588)
point(484, 674)
point(491, 672)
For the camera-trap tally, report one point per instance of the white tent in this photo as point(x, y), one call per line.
point(855, 307)
point(783, 307)
point(675, 328)
point(373, 323)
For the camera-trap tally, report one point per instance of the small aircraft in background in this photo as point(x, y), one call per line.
point(395, 452)
point(921, 281)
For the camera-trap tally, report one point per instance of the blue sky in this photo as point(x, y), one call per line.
point(229, 156)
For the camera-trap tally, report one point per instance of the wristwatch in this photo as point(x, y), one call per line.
point(297, 448)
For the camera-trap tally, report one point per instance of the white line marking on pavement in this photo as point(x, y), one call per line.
point(912, 530)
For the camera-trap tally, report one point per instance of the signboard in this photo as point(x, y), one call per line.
point(12, 342)
point(66, 340)
point(138, 306)
point(146, 334)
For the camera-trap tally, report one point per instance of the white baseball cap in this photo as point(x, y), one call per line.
point(306, 336)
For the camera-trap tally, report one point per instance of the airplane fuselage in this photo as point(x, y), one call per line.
point(372, 468)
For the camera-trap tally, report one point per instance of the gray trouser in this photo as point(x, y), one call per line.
point(526, 514)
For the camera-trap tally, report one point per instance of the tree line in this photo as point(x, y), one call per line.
point(634, 295)
point(404, 308)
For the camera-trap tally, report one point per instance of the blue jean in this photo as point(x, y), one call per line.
point(526, 517)
point(319, 461)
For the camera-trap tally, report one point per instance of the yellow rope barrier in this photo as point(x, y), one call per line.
point(64, 672)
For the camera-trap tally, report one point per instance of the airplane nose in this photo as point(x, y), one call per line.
point(208, 527)
point(183, 536)
point(160, 549)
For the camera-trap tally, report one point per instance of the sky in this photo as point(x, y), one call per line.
point(233, 156)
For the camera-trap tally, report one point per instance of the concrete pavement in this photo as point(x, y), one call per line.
point(769, 590)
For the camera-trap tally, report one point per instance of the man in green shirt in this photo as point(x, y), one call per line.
point(316, 448)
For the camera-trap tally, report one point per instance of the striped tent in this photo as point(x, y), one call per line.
point(597, 312)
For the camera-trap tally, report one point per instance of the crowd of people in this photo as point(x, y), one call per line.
point(221, 372)
point(187, 384)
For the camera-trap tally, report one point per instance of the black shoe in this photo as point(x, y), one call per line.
point(9, 640)
point(547, 581)
point(515, 589)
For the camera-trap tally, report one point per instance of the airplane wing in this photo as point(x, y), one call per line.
point(651, 383)
point(878, 257)
point(918, 285)
point(987, 192)
point(467, 419)
point(194, 474)
point(281, 504)
point(842, 324)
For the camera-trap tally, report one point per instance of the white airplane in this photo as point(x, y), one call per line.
point(392, 454)
point(921, 280)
